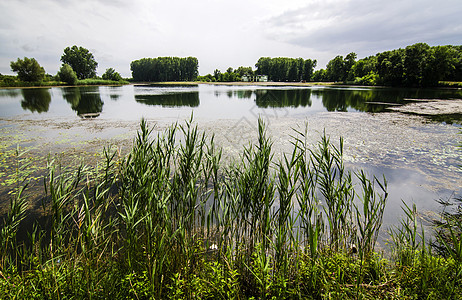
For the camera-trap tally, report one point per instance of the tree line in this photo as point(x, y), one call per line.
point(230, 75)
point(78, 64)
point(418, 65)
point(165, 69)
point(286, 69)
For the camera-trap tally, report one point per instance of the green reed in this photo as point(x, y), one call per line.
point(170, 219)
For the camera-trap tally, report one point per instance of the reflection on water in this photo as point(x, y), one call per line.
point(9, 93)
point(84, 100)
point(36, 100)
point(283, 98)
point(377, 99)
point(114, 97)
point(211, 102)
point(190, 99)
point(373, 140)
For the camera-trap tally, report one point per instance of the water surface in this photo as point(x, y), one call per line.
point(418, 155)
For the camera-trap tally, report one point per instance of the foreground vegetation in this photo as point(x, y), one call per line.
point(172, 220)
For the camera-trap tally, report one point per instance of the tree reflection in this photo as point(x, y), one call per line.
point(243, 94)
point(367, 100)
point(170, 100)
point(36, 100)
point(114, 93)
point(283, 98)
point(84, 100)
point(12, 93)
point(114, 97)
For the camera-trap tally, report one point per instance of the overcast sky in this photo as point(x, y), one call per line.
point(219, 33)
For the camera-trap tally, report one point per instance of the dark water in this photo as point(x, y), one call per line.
point(232, 104)
point(206, 102)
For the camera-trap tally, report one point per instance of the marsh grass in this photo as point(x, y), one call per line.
point(172, 220)
point(96, 81)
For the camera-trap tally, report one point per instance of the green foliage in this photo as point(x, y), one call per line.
point(165, 69)
point(217, 74)
point(67, 75)
point(286, 69)
point(364, 66)
point(169, 220)
point(449, 230)
point(244, 71)
point(417, 65)
point(370, 79)
point(206, 78)
point(111, 74)
point(320, 75)
point(450, 84)
point(100, 82)
point(231, 75)
point(28, 69)
point(414, 64)
point(339, 69)
point(81, 60)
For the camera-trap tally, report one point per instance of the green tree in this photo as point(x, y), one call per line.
point(28, 69)
point(263, 66)
point(81, 60)
point(349, 62)
point(308, 69)
point(292, 70)
point(244, 71)
point(335, 69)
point(340, 69)
point(217, 74)
point(390, 67)
point(364, 66)
point(165, 69)
point(67, 75)
point(111, 74)
point(319, 75)
point(440, 63)
point(415, 61)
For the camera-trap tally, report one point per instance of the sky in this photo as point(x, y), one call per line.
point(219, 33)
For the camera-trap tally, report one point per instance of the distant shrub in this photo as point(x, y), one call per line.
point(111, 74)
point(96, 81)
point(67, 74)
point(370, 79)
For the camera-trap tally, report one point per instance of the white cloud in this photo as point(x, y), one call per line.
point(367, 26)
point(219, 33)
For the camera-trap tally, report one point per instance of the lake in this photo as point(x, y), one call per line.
point(417, 152)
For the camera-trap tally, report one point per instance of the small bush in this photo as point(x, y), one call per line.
point(67, 74)
point(112, 75)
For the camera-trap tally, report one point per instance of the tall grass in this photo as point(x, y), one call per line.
point(172, 220)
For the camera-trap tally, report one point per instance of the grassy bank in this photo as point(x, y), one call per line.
point(451, 84)
point(172, 220)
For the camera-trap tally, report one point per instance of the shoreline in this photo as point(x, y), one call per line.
point(233, 83)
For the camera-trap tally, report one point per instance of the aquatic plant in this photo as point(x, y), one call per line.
point(172, 220)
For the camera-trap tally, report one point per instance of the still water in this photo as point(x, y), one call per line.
point(204, 101)
point(418, 154)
